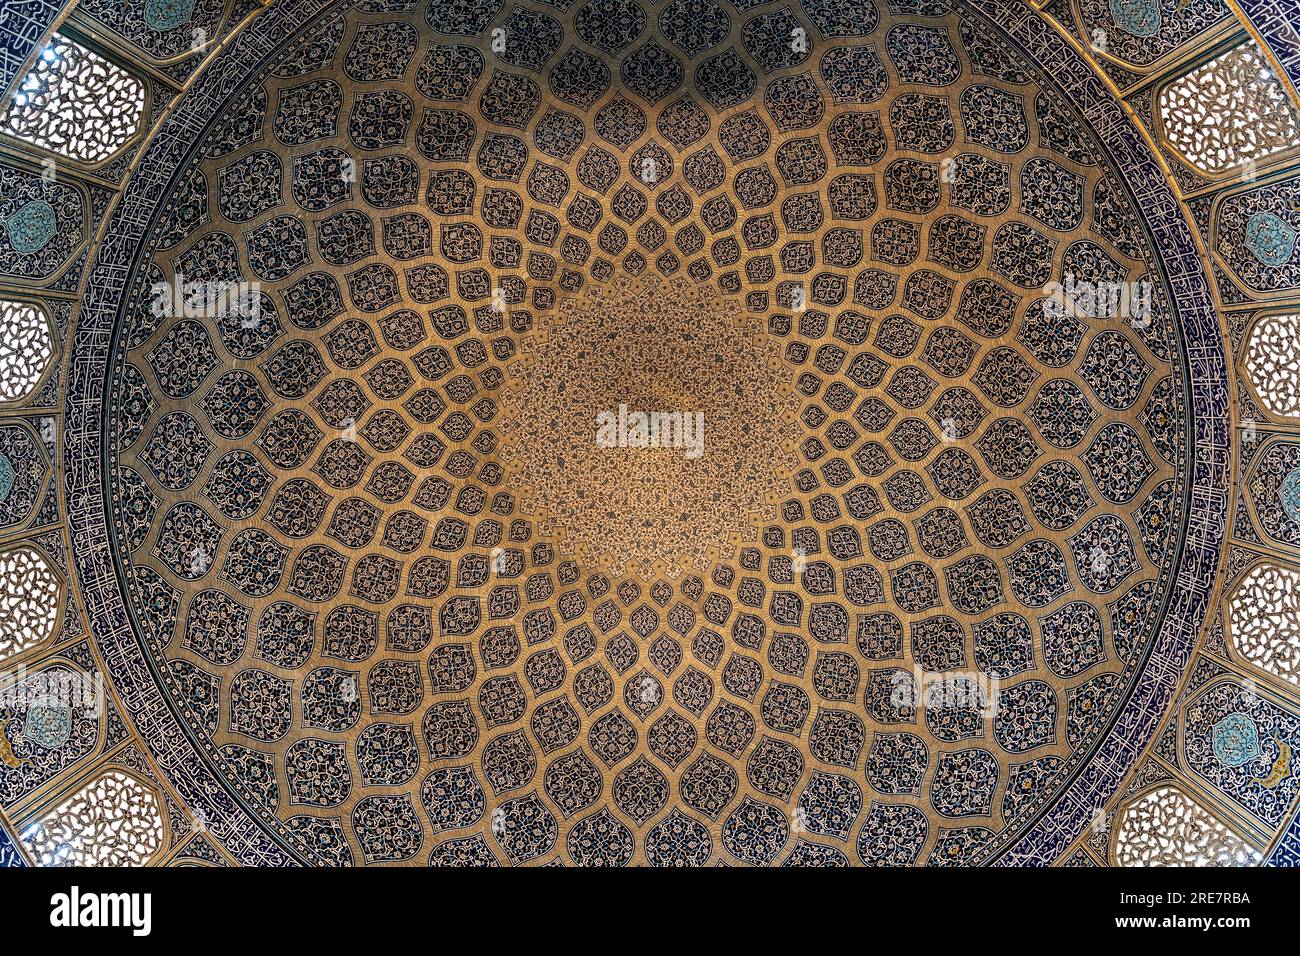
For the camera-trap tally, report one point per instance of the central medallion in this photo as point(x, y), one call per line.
point(652, 423)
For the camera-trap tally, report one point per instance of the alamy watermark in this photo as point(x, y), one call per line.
point(951, 690)
point(1100, 300)
point(69, 689)
point(77, 908)
point(208, 299)
point(633, 429)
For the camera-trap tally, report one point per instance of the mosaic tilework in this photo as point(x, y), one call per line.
point(230, 821)
point(10, 856)
point(1206, 529)
point(1276, 22)
point(22, 25)
point(1154, 682)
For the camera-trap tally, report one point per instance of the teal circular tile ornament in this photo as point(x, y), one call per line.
point(31, 228)
point(1270, 239)
point(7, 476)
point(1138, 17)
point(164, 15)
point(1289, 493)
point(48, 723)
point(1235, 740)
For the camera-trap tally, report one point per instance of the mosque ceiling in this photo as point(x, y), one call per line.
point(616, 432)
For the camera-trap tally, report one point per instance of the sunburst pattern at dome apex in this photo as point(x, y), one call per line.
point(389, 481)
point(632, 499)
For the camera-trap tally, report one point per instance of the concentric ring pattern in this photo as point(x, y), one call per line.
point(411, 618)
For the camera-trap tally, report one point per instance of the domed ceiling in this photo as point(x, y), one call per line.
point(677, 433)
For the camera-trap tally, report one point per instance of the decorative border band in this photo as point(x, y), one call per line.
point(22, 24)
point(1278, 22)
point(246, 836)
point(1210, 452)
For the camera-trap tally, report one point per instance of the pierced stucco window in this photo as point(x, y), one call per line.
point(1264, 613)
point(113, 820)
point(25, 349)
point(1230, 112)
point(29, 600)
point(75, 103)
point(1168, 828)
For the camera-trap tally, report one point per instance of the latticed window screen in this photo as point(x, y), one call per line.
point(112, 821)
point(1265, 618)
point(1273, 363)
point(75, 103)
point(1229, 112)
point(1167, 828)
point(29, 600)
point(25, 349)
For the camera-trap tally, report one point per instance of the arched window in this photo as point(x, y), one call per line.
point(1273, 363)
point(29, 600)
point(1229, 112)
point(25, 349)
point(1264, 614)
point(112, 821)
point(75, 103)
point(1168, 828)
